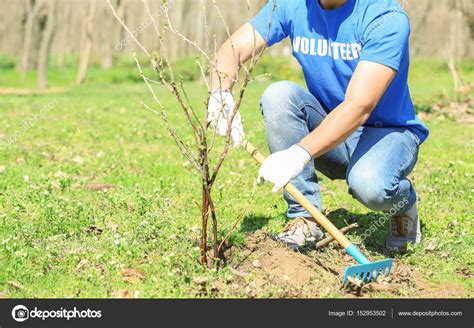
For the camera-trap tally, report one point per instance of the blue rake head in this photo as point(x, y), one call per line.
point(368, 272)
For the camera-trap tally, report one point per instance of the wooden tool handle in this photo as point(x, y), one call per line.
point(300, 198)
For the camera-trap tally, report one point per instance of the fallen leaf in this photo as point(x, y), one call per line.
point(235, 286)
point(82, 263)
point(218, 285)
point(20, 160)
point(46, 155)
point(123, 293)
point(60, 174)
point(100, 267)
point(238, 273)
point(431, 246)
point(75, 186)
point(445, 255)
point(15, 284)
point(375, 286)
point(100, 186)
point(453, 224)
point(251, 290)
point(466, 272)
point(132, 275)
point(2, 168)
point(112, 226)
point(78, 160)
point(93, 229)
point(201, 281)
point(256, 264)
point(55, 185)
point(351, 283)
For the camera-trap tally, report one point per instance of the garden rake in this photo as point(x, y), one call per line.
point(366, 271)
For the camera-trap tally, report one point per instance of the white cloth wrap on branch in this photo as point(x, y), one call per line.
point(221, 106)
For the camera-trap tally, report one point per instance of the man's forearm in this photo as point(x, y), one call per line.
point(335, 128)
point(243, 44)
point(368, 84)
point(225, 68)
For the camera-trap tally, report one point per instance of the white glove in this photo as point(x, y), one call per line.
point(282, 167)
point(221, 105)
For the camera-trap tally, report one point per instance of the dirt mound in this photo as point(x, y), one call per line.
point(269, 269)
point(405, 281)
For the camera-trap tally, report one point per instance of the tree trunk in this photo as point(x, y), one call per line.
point(106, 58)
point(46, 45)
point(64, 41)
point(32, 10)
point(117, 31)
point(86, 43)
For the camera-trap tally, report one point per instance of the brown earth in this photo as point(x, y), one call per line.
point(15, 91)
point(266, 268)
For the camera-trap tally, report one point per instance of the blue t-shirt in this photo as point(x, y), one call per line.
point(330, 43)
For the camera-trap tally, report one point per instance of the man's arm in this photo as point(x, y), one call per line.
point(366, 88)
point(242, 45)
point(368, 84)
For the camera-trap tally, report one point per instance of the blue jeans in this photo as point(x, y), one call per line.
point(375, 161)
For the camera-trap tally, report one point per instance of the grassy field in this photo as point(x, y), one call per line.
point(96, 201)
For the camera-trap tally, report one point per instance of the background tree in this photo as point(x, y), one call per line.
point(448, 22)
point(47, 37)
point(27, 58)
point(86, 42)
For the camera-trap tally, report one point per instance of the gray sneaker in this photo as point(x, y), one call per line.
point(300, 232)
point(404, 229)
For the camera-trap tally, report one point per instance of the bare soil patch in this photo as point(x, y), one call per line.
point(21, 92)
point(267, 268)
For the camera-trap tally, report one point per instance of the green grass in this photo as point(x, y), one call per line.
point(58, 238)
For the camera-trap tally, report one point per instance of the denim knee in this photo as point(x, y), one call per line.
point(280, 102)
point(371, 189)
point(280, 96)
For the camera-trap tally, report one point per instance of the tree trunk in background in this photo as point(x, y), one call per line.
point(46, 45)
point(436, 24)
point(176, 14)
point(64, 39)
point(86, 43)
point(105, 35)
point(117, 31)
point(33, 7)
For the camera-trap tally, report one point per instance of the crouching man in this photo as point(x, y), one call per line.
point(355, 121)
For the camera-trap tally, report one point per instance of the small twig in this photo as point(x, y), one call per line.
point(326, 241)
